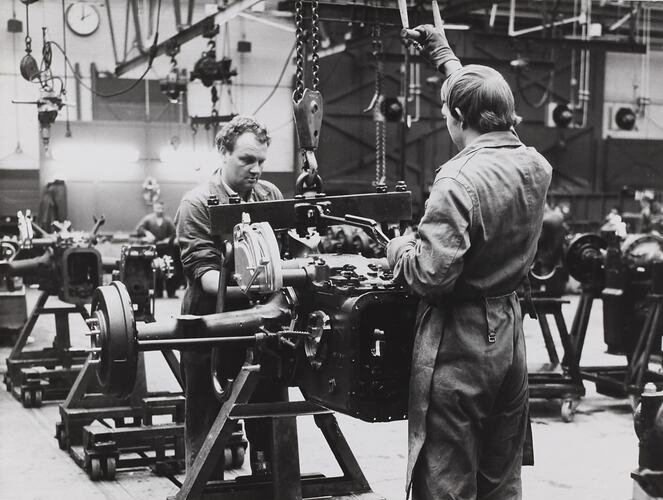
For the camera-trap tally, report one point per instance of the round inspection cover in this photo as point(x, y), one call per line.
point(580, 254)
point(117, 338)
point(255, 247)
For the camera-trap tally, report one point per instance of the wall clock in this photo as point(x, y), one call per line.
point(82, 18)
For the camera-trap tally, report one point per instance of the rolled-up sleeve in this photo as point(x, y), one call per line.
point(197, 249)
point(431, 264)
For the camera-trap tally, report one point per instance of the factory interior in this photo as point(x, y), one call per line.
point(265, 249)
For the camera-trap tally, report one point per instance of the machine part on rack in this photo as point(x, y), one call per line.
point(257, 258)
point(350, 319)
point(70, 267)
point(584, 258)
point(120, 339)
point(638, 250)
point(628, 284)
point(139, 270)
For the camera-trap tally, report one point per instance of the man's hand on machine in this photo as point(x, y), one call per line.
point(433, 46)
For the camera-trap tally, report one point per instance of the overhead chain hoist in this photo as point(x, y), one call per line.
point(307, 102)
point(175, 83)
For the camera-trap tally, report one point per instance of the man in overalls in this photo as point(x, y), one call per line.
point(477, 240)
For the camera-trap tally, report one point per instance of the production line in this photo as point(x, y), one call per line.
point(371, 244)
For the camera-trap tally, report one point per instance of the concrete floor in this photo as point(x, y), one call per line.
point(589, 458)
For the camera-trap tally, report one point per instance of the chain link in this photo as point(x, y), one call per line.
point(300, 38)
point(380, 126)
point(28, 39)
point(315, 42)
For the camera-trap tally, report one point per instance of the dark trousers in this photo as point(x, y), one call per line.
point(202, 407)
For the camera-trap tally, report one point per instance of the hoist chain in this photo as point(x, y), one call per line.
point(28, 39)
point(376, 107)
point(315, 42)
point(215, 98)
point(307, 102)
point(300, 41)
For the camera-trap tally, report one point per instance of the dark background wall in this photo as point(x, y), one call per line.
point(583, 160)
point(19, 190)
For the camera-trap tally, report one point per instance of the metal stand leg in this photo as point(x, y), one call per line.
point(285, 481)
point(580, 323)
point(639, 363)
point(29, 325)
point(212, 449)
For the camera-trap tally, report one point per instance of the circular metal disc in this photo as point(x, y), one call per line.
point(255, 247)
point(118, 362)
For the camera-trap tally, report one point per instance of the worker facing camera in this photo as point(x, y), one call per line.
point(468, 412)
point(158, 229)
point(242, 144)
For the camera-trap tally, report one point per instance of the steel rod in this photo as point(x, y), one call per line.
point(157, 345)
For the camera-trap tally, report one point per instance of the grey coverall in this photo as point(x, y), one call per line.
point(199, 255)
point(468, 389)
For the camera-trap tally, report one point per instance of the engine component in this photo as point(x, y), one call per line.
point(584, 259)
point(257, 259)
point(70, 268)
point(139, 268)
point(343, 333)
point(628, 281)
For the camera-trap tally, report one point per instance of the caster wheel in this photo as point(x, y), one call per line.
point(238, 457)
point(8, 384)
point(111, 468)
point(568, 410)
point(61, 436)
point(27, 399)
point(95, 469)
point(37, 398)
point(227, 458)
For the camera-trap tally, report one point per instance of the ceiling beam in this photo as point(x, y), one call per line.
point(195, 30)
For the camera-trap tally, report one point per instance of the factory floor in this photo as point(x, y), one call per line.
point(588, 459)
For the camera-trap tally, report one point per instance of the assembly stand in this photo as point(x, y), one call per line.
point(132, 439)
point(623, 381)
point(285, 481)
point(46, 374)
point(554, 379)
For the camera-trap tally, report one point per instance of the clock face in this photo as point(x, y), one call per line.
point(82, 18)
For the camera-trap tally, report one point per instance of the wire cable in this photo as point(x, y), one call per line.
point(278, 82)
point(151, 52)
